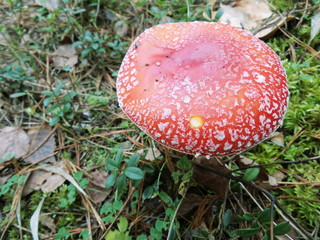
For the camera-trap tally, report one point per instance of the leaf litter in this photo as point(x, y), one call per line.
point(96, 187)
point(14, 141)
point(65, 56)
point(253, 15)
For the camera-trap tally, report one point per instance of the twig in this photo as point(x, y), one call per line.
point(271, 198)
point(282, 163)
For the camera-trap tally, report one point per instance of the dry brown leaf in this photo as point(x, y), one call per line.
point(272, 180)
point(96, 187)
point(209, 180)
point(62, 170)
point(37, 137)
point(191, 201)
point(44, 180)
point(247, 161)
point(254, 16)
point(13, 141)
point(121, 28)
point(152, 153)
point(279, 176)
point(47, 221)
point(245, 13)
point(65, 55)
point(277, 138)
point(99, 178)
point(52, 183)
point(35, 180)
point(268, 27)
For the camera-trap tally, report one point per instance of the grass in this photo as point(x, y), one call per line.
point(143, 199)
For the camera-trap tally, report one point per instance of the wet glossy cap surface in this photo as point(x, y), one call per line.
point(203, 88)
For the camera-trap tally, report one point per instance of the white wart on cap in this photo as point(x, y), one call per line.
point(203, 88)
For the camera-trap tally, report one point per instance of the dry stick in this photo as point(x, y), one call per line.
point(300, 198)
point(282, 163)
point(272, 199)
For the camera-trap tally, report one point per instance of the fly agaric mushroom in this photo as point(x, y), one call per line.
point(203, 88)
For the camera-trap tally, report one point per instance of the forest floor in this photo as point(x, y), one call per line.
point(73, 166)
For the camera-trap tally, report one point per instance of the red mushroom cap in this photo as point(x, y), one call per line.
point(203, 88)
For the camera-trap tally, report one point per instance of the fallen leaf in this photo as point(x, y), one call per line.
point(64, 173)
point(96, 188)
point(269, 26)
point(99, 178)
point(245, 13)
point(279, 176)
point(121, 28)
point(272, 180)
point(48, 4)
point(14, 141)
point(52, 183)
point(44, 180)
point(65, 55)
point(277, 138)
point(254, 16)
point(152, 153)
point(38, 137)
point(190, 201)
point(47, 221)
point(35, 180)
point(210, 180)
point(315, 26)
point(34, 221)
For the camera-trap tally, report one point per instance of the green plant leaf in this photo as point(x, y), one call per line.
point(264, 216)
point(54, 121)
point(19, 94)
point(68, 97)
point(121, 183)
point(133, 173)
point(227, 217)
point(165, 197)
point(111, 180)
point(47, 101)
point(112, 165)
point(77, 43)
point(248, 232)
point(282, 228)
point(147, 193)
point(63, 233)
point(209, 11)
point(218, 15)
point(122, 224)
point(47, 92)
point(133, 161)
point(251, 174)
point(85, 52)
point(112, 235)
point(142, 237)
point(57, 90)
point(161, 225)
point(95, 46)
point(118, 157)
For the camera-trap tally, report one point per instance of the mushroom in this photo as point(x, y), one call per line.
point(203, 88)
